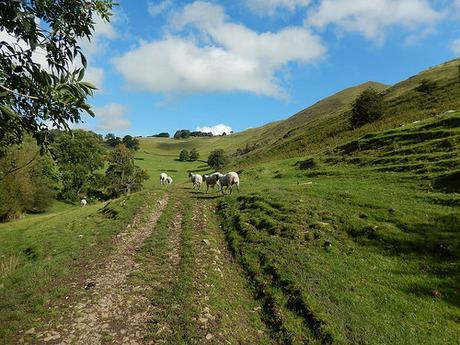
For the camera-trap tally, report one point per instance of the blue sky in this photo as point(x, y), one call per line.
point(169, 64)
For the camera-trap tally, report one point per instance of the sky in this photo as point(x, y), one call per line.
point(229, 65)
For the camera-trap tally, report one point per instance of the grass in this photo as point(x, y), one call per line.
point(368, 256)
point(40, 252)
point(352, 240)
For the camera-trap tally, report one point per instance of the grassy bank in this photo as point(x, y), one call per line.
point(41, 253)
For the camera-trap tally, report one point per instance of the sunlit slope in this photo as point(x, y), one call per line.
point(325, 124)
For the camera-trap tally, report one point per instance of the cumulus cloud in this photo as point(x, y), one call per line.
point(222, 56)
point(455, 46)
point(155, 9)
point(111, 117)
point(272, 7)
point(215, 130)
point(371, 18)
point(103, 31)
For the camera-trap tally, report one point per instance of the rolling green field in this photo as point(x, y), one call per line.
point(369, 240)
point(337, 236)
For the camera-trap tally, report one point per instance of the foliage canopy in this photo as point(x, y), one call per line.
point(34, 95)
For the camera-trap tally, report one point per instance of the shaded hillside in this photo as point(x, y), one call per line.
point(325, 124)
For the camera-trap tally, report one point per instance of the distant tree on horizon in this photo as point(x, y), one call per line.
point(112, 140)
point(161, 135)
point(130, 142)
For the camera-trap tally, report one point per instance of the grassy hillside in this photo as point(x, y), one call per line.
point(325, 124)
point(370, 248)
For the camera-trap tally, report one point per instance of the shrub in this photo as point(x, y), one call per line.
point(122, 176)
point(194, 155)
point(217, 159)
point(184, 155)
point(309, 163)
point(367, 108)
point(28, 181)
point(130, 142)
point(427, 86)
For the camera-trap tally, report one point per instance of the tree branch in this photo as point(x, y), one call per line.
point(18, 93)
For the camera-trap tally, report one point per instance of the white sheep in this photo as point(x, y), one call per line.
point(163, 177)
point(169, 180)
point(229, 180)
point(83, 202)
point(211, 180)
point(196, 179)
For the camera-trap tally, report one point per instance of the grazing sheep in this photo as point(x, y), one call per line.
point(229, 180)
point(211, 180)
point(169, 180)
point(83, 202)
point(196, 179)
point(163, 178)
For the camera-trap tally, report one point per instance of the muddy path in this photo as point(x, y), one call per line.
point(170, 279)
point(111, 309)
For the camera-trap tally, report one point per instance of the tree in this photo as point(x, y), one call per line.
point(184, 155)
point(427, 86)
point(367, 108)
point(194, 155)
point(130, 142)
point(34, 94)
point(217, 159)
point(122, 176)
point(112, 140)
point(79, 155)
point(182, 134)
point(161, 135)
point(28, 181)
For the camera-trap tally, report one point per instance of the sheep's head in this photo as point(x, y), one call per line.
point(190, 174)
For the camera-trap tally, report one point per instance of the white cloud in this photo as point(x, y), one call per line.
point(111, 117)
point(103, 31)
point(455, 46)
point(223, 57)
point(215, 130)
point(371, 18)
point(95, 75)
point(155, 9)
point(272, 7)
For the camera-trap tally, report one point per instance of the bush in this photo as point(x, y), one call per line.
point(182, 134)
point(28, 181)
point(217, 159)
point(112, 140)
point(122, 176)
point(184, 155)
point(367, 108)
point(130, 142)
point(161, 135)
point(427, 86)
point(194, 155)
point(309, 163)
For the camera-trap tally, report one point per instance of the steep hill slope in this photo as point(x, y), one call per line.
point(325, 124)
